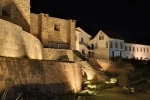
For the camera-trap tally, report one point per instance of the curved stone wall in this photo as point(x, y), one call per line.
point(38, 76)
point(17, 43)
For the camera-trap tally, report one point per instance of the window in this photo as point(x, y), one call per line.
point(116, 45)
point(133, 49)
point(125, 48)
point(6, 10)
point(147, 50)
point(121, 45)
point(101, 37)
point(144, 49)
point(81, 39)
point(57, 27)
point(111, 45)
point(106, 44)
point(129, 48)
point(96, 45)
point(141, 49)
point(137, 49)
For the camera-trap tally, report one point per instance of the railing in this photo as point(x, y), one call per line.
point(81, 42)
point(58, 46)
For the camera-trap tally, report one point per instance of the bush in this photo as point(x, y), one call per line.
point(123, 80)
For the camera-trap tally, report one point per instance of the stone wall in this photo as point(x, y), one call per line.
point(17, 43)
point(53, 30)
point(58, 54)
point(35, 76)
point(62, 54)
point(17, 12)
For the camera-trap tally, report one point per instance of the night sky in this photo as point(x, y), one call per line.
point(130, 18)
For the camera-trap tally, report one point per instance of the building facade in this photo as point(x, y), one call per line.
point(53, 32)
point(109, 45)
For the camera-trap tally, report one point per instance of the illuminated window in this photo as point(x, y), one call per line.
point(137, 49)
point(116, 45)
point(133, 49)
point(125, 48)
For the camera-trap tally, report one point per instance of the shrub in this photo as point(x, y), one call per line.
point(123, 80)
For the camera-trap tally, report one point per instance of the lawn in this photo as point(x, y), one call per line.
point(112, 94)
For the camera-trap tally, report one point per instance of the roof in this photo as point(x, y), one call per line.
point(81, 30)
point(113, 35)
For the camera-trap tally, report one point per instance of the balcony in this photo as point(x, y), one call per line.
point(58, 46)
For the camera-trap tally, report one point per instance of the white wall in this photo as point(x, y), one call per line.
point(118, 51)
point(137, 54)
point(86, 38)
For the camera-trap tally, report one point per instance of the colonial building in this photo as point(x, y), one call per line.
point(109, 45)
point(137, 51)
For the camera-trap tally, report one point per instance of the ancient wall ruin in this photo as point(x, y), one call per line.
point(35, 76)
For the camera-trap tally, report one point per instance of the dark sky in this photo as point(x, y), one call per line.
point(130, 18)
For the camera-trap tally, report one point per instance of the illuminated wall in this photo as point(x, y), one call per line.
point(17, 43)
point(49, 77)
point(53, 30)
point(137, 51)
point(82, 39)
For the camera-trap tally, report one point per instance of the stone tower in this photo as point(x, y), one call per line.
point(17, 12)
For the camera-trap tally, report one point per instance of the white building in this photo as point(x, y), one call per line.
point(108, 45)
point(137, 51)
point(82, 39)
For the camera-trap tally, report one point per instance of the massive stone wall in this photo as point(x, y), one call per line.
point(58, 54)
point(36, 76)
point(53, 30)
point(17, 43)
point(17, 12)
point(34, 26)
point(62, 54)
